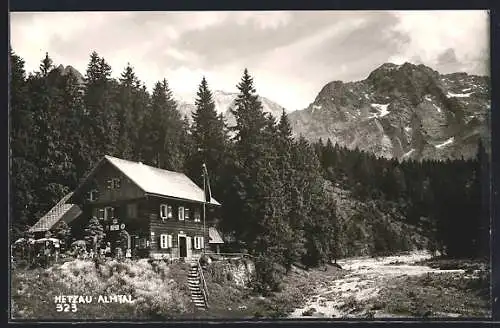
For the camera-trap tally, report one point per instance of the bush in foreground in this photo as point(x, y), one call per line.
point(156, 289)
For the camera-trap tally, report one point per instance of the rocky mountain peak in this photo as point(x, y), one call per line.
point(402, 111)
point(70, 69)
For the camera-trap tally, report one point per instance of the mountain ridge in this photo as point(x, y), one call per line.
point(403, 111)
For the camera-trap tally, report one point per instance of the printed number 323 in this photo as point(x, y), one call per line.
point(66, 307)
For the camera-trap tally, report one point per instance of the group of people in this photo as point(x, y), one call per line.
point(44, 253)
point(36, 253)
point(105, 251)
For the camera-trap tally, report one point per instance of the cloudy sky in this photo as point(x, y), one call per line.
point(290, 54)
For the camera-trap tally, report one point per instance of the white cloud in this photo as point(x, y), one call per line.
point(433, 32)
point(263, 19)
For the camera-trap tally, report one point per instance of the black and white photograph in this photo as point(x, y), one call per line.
point(180, 165)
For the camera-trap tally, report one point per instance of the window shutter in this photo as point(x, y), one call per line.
point(164, 211)
point(202, 242)
point(92, 195)
point(198, 242)
point(166, 241)
point(181, 213)
point(169, 211)
point(109, 184)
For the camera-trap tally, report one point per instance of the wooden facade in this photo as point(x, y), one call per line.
point(157, 226)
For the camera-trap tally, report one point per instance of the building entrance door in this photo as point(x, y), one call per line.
point(182, 246)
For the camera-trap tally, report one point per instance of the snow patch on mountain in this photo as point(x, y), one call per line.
point(447, 142)
point(382, 108)
point(314, 107)
point(437, 107)
point(459, 95)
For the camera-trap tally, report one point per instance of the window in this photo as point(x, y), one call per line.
point(93, 195)
point(165, 211)
point(181, 213)
point(114, 183)
point(186, 213)
point(165, 241)
point(198, 242)
point(109, 213)
point(197, 216)
point(132, 210)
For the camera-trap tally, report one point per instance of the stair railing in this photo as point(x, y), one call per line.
point(203, 283)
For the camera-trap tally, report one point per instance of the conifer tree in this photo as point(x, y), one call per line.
point(131, 105)
point(260, 186)
point(49, 115)
point(23, 169)
point(208, 133)
point(163, 131)
point(251, 158)
point(102, 113)
point(94, 233)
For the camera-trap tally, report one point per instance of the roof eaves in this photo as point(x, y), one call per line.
point(179, 198)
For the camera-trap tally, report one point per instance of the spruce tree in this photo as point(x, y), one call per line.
point(260, 187)
point(208, 133)
point(251, 157)
point(101, 109)
point(131, 105)
point(163, 131)
point(49, 116)
point(23, 155)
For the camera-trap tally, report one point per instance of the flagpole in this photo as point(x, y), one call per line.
point(204, 202)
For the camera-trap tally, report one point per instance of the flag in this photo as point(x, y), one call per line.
point(206, 185)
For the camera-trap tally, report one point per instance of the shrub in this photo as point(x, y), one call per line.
point(268, 275)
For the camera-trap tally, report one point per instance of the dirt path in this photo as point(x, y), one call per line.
point(366, 278)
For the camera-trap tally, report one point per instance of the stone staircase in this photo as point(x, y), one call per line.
point(196, 287)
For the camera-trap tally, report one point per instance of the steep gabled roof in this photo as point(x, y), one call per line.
point(159, 182)
point(61, 211)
